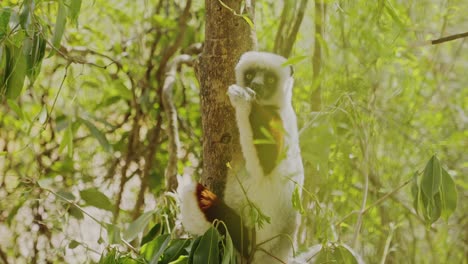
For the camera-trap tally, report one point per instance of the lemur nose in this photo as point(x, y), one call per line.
point(256, 85)
point(258, 80)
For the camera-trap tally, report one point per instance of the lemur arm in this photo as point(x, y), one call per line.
point(241, 99)
point(261, 131)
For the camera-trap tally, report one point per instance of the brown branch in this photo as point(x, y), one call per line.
point(317, 56)
point(291, 39)
point(153, 144)
point(169, 52)
point(171, 113)
point(132, 140)
point(154, 44)
point(449, 38)
point(288, 27)
point(280, 33)
point(3, 256)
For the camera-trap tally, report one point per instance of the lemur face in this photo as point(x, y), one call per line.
point(267, 75)
point(263, 82)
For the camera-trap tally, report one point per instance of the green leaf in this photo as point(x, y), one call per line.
point(45, 183)
point(109, 258)
point(193, 247)
point(336, 254)
point(296, 199)
point(393, 14)
point(60, 23)
point(69, 133)
point(229, 254)
point(15, 71)
point(67, 141)
point(181, 260)
point(431, 208)
point(432, 175)
point(25, 16)
point(344, 255)
point(73, 244)
point(175, 249)
point(5, 14)
point(153, 250)
point(75, 212)
point(3, 68)
point(42, 117)
point(15, 107)
point(155, 230)
point(449, 195)
point(98, 135)
point(74, 7)
point(248, 20)
point(113, 233)
point(207, 250)
point(294, 60)
point(93, 197)
point(437, 194)
point(68, 196)
point(122, 90)
point(415, 192)
point(34, 49)
point(138, 226)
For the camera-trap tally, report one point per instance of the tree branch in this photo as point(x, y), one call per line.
point(449, 38)
point(171, 114)
point(3, 256)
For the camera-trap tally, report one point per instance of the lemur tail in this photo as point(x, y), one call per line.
point(200, 208)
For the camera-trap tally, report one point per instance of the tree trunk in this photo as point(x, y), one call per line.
point(227, 36)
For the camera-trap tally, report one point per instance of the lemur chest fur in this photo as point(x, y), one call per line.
point(268, 135)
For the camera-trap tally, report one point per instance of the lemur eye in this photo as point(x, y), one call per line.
point(270, 80)
point(249, 76)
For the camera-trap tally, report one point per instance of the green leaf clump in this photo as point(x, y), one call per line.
point(436, 194)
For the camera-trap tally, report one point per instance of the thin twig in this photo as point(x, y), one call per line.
point(449, 38)
point(383, 198)
point(271, 255)
point(171, 50)
point(357, 230)
point(388, 242)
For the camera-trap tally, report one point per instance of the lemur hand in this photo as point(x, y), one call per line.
point(240, 96)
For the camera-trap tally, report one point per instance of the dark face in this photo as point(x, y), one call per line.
point(263, 81)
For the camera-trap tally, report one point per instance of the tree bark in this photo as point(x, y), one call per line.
point(316, 99)
point(227, 36)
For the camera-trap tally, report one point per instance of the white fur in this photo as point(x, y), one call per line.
point(241, 98)
point(191, 216)
point(271, 193)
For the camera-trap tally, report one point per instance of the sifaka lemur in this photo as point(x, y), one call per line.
point(273, 169)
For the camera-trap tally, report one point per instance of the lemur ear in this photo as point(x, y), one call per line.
point(291, 69)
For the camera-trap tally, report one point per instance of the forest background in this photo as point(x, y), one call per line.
point(110, 113)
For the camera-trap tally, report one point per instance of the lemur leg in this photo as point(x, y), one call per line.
point(241, 99)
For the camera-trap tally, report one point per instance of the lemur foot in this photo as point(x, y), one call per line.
point(240, 95)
